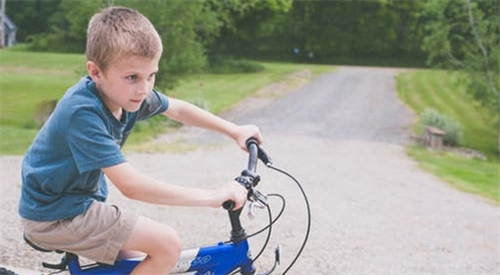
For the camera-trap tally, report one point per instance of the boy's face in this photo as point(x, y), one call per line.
point(126, 82)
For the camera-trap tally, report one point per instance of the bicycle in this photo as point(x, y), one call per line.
point(229, 257)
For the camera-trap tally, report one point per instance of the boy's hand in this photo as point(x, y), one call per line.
point(231, 192)
point(244, 132)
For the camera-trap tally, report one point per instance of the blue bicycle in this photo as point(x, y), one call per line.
point(229, 257)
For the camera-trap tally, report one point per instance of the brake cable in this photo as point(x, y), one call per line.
point(271, 221)
point(275, 218)
point(306, 200)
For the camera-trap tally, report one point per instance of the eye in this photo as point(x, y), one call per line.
point(132, 77)
point(153, 75)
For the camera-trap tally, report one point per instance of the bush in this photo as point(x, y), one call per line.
point(43, 110)
point(232, 66)
point(55, 42)
point(452, 129)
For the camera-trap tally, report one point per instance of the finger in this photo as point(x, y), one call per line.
point(241, 196)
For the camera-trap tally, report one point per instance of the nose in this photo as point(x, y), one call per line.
point(144, 87)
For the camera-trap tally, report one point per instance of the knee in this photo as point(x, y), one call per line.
point(172, 245)
point(176, 245)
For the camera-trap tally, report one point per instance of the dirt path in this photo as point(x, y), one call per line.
point(343, 136)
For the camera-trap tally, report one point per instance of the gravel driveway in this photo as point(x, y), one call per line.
point(343, 136)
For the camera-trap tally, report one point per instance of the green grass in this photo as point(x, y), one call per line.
point(15, 140)
point(442, 91)
point(470, 175)
point(42, 62)
point(28, 78)
point(22, 92)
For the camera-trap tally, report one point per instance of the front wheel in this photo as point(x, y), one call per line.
point(4, 271)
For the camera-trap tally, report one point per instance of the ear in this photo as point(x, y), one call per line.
point(94, 71)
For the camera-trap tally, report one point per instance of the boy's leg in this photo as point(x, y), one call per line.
point(160, 242)
point(98, 234)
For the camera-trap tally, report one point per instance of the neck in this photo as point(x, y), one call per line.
point(116, 111)
point(118, 114)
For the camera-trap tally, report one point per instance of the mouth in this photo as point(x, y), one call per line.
point(136, 101)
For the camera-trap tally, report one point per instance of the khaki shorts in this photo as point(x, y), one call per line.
point(97, 234)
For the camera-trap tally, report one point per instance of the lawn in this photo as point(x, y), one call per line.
point(442, 91)
point(29, 78)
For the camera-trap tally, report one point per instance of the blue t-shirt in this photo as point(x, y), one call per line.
point(61, 171)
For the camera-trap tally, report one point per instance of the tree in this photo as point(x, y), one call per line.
point(465, 36)
point(181, 25)
point(328, 31)
point(187, 28)
point(245, 25)
point(31, 16)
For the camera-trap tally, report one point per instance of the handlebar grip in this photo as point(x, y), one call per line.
point(261, 154)
point(251, 141)
point(228, 205)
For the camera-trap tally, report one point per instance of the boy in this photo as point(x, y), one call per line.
point(64, 189)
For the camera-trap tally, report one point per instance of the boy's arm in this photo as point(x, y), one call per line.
point(137, 186)
point(192, 115)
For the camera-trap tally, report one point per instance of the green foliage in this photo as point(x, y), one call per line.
point(359, 32)
point(234, 66)
point(465, 36)
point(31, 16)
point(67, 31)
point(329, 30)
point(51, 42)
point(442, 91)
point(180, 24)
point(186, 28)
point(229, 12)
point(452, 129)
point(43, 110)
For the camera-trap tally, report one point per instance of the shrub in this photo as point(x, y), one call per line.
point(231, 66)
point(43, 110)
point(452, 129)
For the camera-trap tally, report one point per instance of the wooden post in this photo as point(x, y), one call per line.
point(433, 137)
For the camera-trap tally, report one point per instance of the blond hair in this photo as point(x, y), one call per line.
point(118, 31)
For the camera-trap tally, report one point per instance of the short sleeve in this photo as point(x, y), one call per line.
point(154, 104)
point(91, 142)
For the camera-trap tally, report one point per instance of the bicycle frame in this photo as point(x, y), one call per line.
point(222, 258)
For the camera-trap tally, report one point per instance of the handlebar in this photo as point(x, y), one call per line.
point(249, 178)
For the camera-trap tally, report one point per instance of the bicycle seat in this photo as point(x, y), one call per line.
point(36, 247)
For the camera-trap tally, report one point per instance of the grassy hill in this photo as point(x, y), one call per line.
point(441, 91)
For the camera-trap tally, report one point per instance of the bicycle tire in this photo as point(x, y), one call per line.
point(4, 271)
